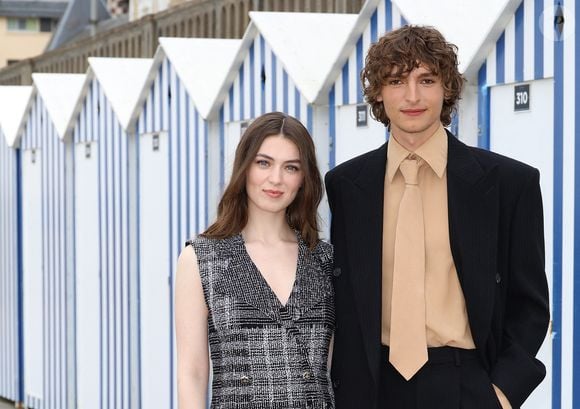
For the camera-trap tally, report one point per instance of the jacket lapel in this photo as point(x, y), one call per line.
point(364, 195)
point(473, 197)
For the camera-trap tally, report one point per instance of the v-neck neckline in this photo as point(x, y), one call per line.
point(256, 271)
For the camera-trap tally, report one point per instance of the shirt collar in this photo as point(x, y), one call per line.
point(433, 152)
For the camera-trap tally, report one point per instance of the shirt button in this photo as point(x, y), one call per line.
point(245, 380)
point(307, 375)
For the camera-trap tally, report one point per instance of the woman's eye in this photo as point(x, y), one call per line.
point(262, 163)
point(292, 168)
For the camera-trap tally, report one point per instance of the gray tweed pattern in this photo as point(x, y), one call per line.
point(264, 354)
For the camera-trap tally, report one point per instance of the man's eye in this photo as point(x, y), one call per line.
point(395, 82)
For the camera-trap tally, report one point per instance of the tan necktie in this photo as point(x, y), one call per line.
point(408, 340)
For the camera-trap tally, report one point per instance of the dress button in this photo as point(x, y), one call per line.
point(497, 278)
point(307, 375)
point(337, 272)
point(335, 383)
point(245, 380)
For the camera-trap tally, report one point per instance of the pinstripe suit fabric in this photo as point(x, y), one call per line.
point(265, 354)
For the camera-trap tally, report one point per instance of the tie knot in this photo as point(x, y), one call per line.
point(410, 169)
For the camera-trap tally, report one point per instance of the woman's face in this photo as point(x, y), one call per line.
point(275, 176)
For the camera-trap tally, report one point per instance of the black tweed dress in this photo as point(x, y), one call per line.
point(265, 354)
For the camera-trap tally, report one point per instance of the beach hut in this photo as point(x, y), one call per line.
point(177, 185)
point(14, 101)
point(107, 308)
point(48, 257)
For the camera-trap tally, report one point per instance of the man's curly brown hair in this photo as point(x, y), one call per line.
point(399, 52)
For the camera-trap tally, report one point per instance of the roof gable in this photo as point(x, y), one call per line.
point(307, 44)
point(202, 65)
point(60, 93)
point(122, 80)
point(14, 103)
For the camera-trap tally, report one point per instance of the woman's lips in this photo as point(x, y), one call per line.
point(273, 193)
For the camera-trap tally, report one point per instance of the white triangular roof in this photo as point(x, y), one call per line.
point(307, 44)
point(470, 25)
point(122, 80)
point(60, 93)
point(14, 103)
point(202, 64)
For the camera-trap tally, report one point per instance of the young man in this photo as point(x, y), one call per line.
point(441, 293)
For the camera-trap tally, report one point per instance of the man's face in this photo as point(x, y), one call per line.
point(413, 102)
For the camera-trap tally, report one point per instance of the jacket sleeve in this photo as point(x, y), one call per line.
point(517, 372)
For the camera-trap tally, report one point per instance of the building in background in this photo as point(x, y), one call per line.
point(26, 27)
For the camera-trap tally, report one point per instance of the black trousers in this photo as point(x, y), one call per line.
point(453, 378)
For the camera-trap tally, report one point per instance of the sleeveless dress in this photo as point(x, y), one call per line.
point(265, 354)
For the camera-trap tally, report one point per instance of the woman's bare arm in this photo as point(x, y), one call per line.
point(191, 333)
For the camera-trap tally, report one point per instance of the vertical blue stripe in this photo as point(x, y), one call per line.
point(309, 118)
point(138, 250)
point(241, 90)
point(500, 60)
point(404, 21)
point(388, 16)
point(519, 57)
point(263, 70)
point(170, 248)
point(252, 83)
point(538, 40)
point(206, 173)
point(557, 335)
point(483, 109)
point(576, 376)
point(197, 168)
point(274, 82)
point(332, 128)
point(296, 103)
point(285, 92)
point(345, 78)
point(222, 142)
point(231, 104)
point(21, 373)
point(359, 66)
point(374, 24)
point(187, 163)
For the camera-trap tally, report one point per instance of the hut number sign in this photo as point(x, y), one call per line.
point(522, 97)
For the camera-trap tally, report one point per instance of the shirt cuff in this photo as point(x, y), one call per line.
point(505, 403)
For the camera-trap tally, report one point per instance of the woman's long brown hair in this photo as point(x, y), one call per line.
point(301, 215)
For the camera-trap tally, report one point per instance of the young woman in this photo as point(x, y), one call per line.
point(255, 287)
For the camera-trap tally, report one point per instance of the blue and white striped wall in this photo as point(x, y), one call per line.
point(10, 274)
point(173, 207)
point(531, 51)
point(348, 140)
point(102, 256)
point(46, 216)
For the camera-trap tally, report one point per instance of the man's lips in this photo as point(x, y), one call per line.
point(413, 112)
point(273, 193)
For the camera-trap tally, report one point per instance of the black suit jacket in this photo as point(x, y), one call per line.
point(497, 243)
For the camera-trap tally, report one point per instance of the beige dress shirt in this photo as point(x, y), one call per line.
point(446, 315)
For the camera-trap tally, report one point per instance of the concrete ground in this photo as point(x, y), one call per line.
point(5, 404)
